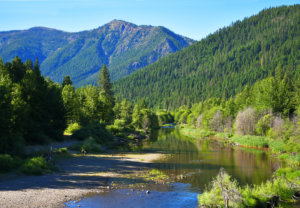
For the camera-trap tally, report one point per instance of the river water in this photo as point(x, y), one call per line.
point(192, 164)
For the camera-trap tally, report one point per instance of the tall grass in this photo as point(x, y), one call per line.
point(250, 141)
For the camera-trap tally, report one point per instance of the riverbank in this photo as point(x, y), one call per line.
point(276, 148)
point(284, 185)
point(78, 176)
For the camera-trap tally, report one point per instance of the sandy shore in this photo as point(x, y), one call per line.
point(79, 176)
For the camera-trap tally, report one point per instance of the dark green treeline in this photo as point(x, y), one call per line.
point(35, 110)
point(31, 107)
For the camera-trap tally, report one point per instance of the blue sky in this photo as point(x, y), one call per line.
point(192, 18)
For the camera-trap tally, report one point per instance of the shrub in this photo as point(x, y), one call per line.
point(63, 150)
point(76, 146)
point(8, 163)
point(118, 126)
point(277, 187)
point(267, 194)
point(36, 166)
point(72, 128)
point(264, 124)
point(164, 117)
point(96, 131)
point(91, 146)
point(223, 191)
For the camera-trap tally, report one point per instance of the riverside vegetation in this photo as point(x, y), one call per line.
point(35, 110)
point(240, 85)
point(265, 115)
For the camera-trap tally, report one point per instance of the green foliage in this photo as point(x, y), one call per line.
point(123, 111)
point(71, 104)
point(223, 64)
point(91, 146)
point(276, 145)
point(223, 192)
point(31, 108)
point(118, 127)
point(80, 54)
point(72, 128)
point(276, 93)
point(106, 95)
point(144, 118)
point(264, 124)
point(95, 131)
point(63, 150)
point(279, 189)
point(164, 117)
point(250, 141)
point(7, 162)
point(66, 81)
point(291, 174)
point(90, 104)
point(36, 166)
point(196, 133)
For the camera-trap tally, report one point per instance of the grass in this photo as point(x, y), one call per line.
point(284, 184)
point(196, 133)
point(250, 141)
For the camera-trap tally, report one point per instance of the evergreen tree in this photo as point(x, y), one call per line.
point(36, 67)
point(67, 81)
point(106, 95)
point(104, 83)
point(71, 104)
point(29, 64)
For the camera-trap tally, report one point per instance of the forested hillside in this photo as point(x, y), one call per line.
point(222, 63)
point(123, 46)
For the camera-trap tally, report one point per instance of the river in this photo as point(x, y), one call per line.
point(192, 164)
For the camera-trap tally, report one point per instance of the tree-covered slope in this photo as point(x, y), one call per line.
point(222, 63)
point(122, 46)
point(38, 42)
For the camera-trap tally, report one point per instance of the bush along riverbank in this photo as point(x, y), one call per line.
point(224, 191)
point(282, 190)
point(265, 116)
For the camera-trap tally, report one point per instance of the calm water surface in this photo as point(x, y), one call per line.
point(191, 164)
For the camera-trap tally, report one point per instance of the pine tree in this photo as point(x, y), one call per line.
point(104, 83)
point(106, 95)
point(67, 81)
point(36, 67)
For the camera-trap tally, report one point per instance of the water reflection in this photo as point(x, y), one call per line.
point(198, 161)
point(192, 163)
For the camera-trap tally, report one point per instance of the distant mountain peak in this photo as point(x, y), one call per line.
point(118, 23)
point(41, 28)
point(123, 46)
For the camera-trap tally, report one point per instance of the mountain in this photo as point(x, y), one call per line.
point(222, 63)
point(124, 47)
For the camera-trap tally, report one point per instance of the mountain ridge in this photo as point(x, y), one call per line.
point(222, 63)
point(123, 46)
